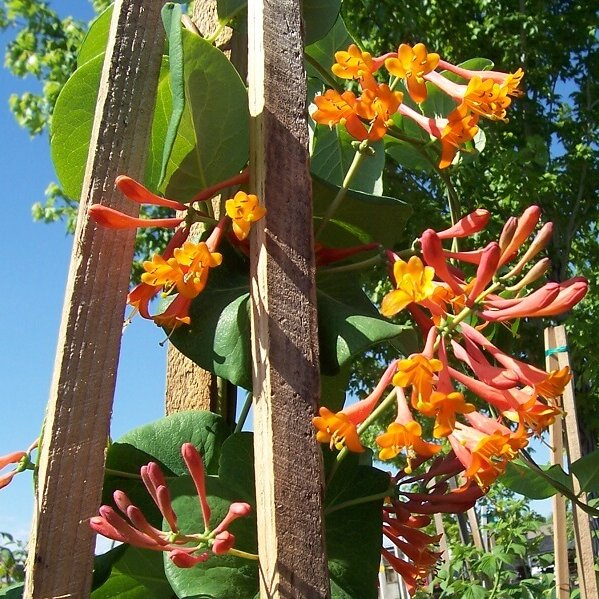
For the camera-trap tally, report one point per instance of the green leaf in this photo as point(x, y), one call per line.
point(406, 155)
point(212, 142)
point(520, 478)
point(361, 217)
point(96, 38)
point(348, 323)
point(353, 532)
point(163, 438)
point(586, 470)
point(237, 452)
point(221, 576)
point(474, 591)
point(319, 18)
point(333, 153)
point(14, 591)
point(139, 574)
point(171, 17)
point(318, 15)
point(103, 565)
point(323, 51)
point(72, 125)
point(333, 388)
point(218, 339)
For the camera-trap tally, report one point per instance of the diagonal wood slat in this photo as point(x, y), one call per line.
point(71, 460)
point(285, 342)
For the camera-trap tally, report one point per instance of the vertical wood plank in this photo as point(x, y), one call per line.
point(284, 329)
point(582, 528)
point(76, 429)
point(558, 501)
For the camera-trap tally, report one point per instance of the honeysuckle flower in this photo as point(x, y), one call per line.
point(411, 64)
point(404, 433)
point(461, 127)
point(339, 429)
point(481, 96)
point(175, 315)
point(326, 255)
point(21, 460)
point(444, 403)
point(186, 271)
point(244, 209)
point(523, 228)
point(484, 456)
point(414, 283)
point(510, 81)
point(334, 108)
point(417, 371)
point(113, 219)
point(184, 549)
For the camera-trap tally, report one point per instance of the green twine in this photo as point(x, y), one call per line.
point(556, 350)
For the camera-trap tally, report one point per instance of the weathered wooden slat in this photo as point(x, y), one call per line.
point(558, 502)
point(585, 560)
point(71, 457)
point(285, 351)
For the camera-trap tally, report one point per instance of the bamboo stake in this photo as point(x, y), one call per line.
point(584, 546)
point(284, 330)
point(71, 458)
point(560, 537)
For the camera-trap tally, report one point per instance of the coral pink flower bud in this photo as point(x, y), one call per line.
point(5, 479)
point(471, 223)
point(535, 273)
point(571, 292)
point(432, 252)
point(136, 192)
point(486, 269)
point(194, 464)
point(113, 219)
point(539, 243)
point(526, 224)
point(101, 526)
point(531, 305)
point(507, 233)
point(183, 559)
point(223, 542)
point(12, 458)
point(237, 509)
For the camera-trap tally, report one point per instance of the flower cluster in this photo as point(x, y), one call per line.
point(451, 309)
point(369, 116)
point(182, 269)
point(482, 403)
point(185, 550)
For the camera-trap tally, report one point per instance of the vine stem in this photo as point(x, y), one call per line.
point(247, 404)
point(334, 205)
point(358, 501)
point(244, 554)
point(355, 266)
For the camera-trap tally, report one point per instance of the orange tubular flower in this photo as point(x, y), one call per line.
point(482, 96)
point(414, 283)
point(334, 108)
point(244, 209)
point(412, 64)
point(340, 430)
point(419, 372)
point(461, 127)
point(353, 63)
point(404, 433)
point(510, 81)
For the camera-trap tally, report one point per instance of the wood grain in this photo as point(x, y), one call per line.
point(284, 327)
point(71, 461)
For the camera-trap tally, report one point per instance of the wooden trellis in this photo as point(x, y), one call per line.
point(286, 376)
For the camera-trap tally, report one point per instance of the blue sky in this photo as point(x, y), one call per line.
point(36, 259)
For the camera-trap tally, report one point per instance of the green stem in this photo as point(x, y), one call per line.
point(212, 38)
point(453, 201)
point(122, 474)
point(244, 554)
point(247, 404)
point(358, 157)
point(358, 501)
point(355, 266)
point(388, 401)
